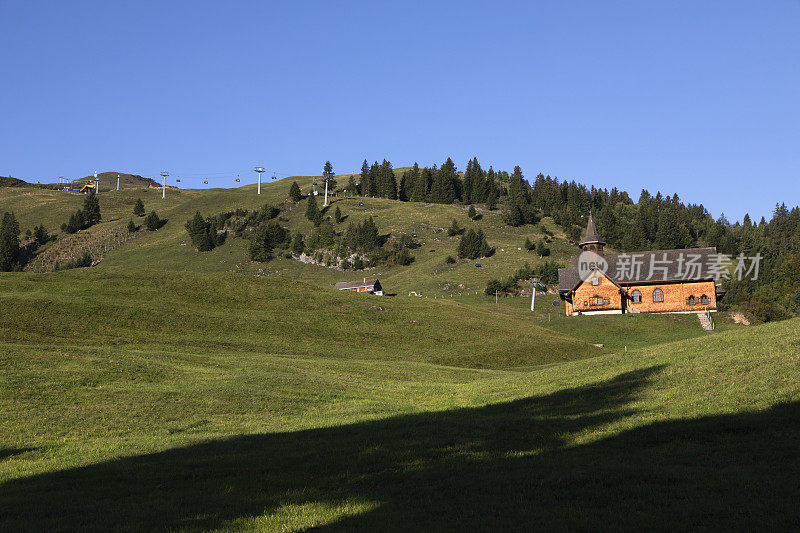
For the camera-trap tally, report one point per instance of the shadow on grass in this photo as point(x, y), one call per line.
point(503, 466)
point(11, 452)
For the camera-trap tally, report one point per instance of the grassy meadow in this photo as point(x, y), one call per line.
point(165, 389)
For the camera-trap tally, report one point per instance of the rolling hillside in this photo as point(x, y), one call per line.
point(170, 389)
point(140, 400)
point(169, 248)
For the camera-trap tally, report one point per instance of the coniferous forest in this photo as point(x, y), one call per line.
point(652, 221)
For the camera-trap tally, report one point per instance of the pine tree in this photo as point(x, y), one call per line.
point(473, 245)
point(40, 235)
point(294, 192)
point(76, 222)
point(132, 227)
point(387, 183)
point(471, 213)
point(312, 211)
point(512, 213)
point(443, 189)
point(91, 209)
point(469, 183)
point(364, 185)
point(374, 184)
point(352, 188)
point(138, 208)
point(402, 187)
point(491, 202)
point(297, 243)
point(479, 191)
point(337, 215)
point(199, 230)
point(10, 252)
point(541, 249)
point(152, 222)
point(455, 229)
point(419, 187)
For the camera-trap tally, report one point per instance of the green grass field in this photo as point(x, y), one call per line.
point(171, 390)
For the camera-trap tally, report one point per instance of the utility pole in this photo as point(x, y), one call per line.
point(164, 175)
point(326, 178)
point(259, 170)
point(117, 181)
point(96, 183)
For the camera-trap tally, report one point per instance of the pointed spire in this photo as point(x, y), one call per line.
point(591, 236)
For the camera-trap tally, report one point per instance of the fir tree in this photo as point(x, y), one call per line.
point(138, 208)
point(373, 183)
point(420, 185)
point(443, 190)
point(337, 215)
point(541, 249)
point(40, 235)
point(152, 222)
point(455, 229)
point(297, 243)
point(132, 227)
point(491, 202)
point(402, 187)
point(365, 179)
point(76, 222)
point(294, 192)
point(352, 188)
point(312, 211)
point(91, 209)
point(267, 236)
point(199, 230)
point(10, 251)
point(473, 245)
point(471, 213)
point(512, 213)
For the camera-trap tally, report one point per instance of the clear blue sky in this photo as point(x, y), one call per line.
point(697, 98)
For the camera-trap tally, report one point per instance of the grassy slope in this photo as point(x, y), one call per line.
point(168, 248)
point(158, 390)
point(205, 422)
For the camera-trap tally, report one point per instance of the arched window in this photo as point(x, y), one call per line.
point(636, 296)
point(690, 300)
point(704, 300)
point(658, 295)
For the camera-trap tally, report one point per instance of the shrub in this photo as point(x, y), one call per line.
point(85, 260)
point(132, 228)
point(450, 260)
